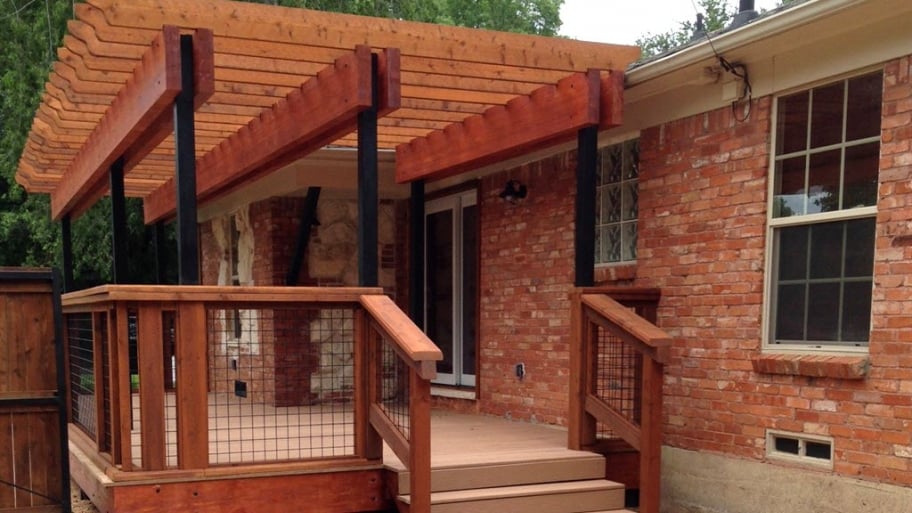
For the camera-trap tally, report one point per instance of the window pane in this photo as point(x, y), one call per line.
point(631, 201)
point(861, 163)
point(823, 182)
point(865, 97)
point(791, 124)
point(611, 243)
point(793, 244)
point(612, 162)
point(826, 250)
point(856, 312)
point(823, 312)
point(860, 248)
point(629, 250)
point(611, 204)
point(826, 117)
point(439, 285)
point(790, 312)
point(789, 193)
point(631, 159)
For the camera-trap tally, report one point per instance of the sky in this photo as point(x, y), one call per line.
point(623, 21)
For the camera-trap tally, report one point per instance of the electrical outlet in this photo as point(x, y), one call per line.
point(520, 370)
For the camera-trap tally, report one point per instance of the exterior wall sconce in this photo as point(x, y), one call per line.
point(513, 191)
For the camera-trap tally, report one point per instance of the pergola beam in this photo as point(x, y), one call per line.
point(322, 110)
point(149, 92)
point(549, 115)
point(132, 126)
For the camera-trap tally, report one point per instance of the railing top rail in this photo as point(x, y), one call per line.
point(623, 294)
point(412, 343)
point(655, 341)
point(222, 294)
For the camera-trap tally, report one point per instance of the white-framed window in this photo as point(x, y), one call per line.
point(822, 215)
point(617, 203)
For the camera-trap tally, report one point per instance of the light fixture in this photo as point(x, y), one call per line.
point(513, 191)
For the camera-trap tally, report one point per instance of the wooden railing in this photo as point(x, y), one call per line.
point(617, 357)
point(164, 368)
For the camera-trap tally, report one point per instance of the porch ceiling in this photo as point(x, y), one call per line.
point(264, 52)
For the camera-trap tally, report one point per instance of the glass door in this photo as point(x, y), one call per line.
point(451, 285)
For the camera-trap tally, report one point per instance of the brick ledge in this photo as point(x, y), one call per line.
point(815, 366)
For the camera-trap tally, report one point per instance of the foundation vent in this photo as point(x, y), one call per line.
point(800, 448)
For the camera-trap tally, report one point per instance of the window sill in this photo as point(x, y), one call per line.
point(814, 366)
point(453, 392)
point(605, 273)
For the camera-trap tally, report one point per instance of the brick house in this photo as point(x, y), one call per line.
point(772, 210)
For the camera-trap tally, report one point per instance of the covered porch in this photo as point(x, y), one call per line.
point(205, 396)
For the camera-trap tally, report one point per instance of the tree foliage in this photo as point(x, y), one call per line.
point(716, 15)
point(33, 30)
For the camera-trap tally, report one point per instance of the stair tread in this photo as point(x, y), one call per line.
point(501, 458)
point(520, 491)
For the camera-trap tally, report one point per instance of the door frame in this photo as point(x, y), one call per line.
point(456, 199)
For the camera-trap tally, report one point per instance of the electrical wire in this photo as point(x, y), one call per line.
point(739, 71)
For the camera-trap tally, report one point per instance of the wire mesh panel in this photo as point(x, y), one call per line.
point(82, 374)
point(618, 381)
point(281, 383)
point(393, 383)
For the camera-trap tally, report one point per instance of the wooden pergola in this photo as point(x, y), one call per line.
point(262, 67)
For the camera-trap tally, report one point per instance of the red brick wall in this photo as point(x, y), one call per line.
point(703, 201)
point(526, 275)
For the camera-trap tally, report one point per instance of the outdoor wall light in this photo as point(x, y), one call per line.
point(513, 191)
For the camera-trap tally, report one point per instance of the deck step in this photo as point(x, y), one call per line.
point(547, 469)
point(570, 497)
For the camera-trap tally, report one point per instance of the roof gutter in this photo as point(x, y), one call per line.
point(786, 20)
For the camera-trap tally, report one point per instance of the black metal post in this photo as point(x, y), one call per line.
point(158, 241)
point(308, 218)
point(368, 189)
point(66, 234)
point(416, 253)
point(587, 159)
point(185, 172)
point(119, 258)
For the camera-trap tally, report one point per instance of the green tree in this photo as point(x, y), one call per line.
point(716, 15)
point(31, 33)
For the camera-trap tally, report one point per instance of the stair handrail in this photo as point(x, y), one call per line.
point(385, 322)
point(609, 309)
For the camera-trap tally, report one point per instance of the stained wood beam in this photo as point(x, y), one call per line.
point(322, 110)
point(133, 117)
point(550, 114)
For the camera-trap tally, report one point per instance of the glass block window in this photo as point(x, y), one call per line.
point(617, 203)
point(823, 208)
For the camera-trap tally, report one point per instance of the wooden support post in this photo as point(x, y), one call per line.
point(98, 377)
point(152, 386)
point(368, 187)
point(114, 387)
point(651, 436)
point(125, 398)
point(66, 235)
point(119, 256)
point(368, 443)
point(185, 172)
point(577, 398)
point(419, 443)
point(587, 160)
point(192, 387)
point(416, 253)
